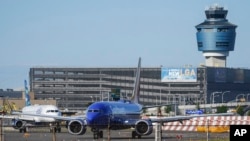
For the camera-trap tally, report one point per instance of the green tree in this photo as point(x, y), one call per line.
point(240, 110)
point(145, 110)
point(198, 106)
point(222, 109)
point(167, 109)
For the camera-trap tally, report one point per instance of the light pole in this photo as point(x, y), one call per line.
point(156, 100)
point(168, 98)
point(238, 96)
point(105, 97)
point(92, 99)
point(160, 96)
point(174, 105)
point(247, 97)
point(222, 100)
point(212, 95)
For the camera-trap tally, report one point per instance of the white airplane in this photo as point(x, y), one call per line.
point(22, 121)
point(116, 115)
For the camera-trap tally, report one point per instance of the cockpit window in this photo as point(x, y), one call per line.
point(52, 111)
point(93, 111)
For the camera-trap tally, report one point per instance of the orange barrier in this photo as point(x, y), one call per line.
point(213, 129)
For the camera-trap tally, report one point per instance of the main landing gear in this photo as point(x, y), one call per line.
point(134, 134)
point(24, 130)
point(55, 128)
point(97, 134)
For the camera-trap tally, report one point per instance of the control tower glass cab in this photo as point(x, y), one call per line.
point(215, 36)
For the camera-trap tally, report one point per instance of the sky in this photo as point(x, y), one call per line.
point(109, 33)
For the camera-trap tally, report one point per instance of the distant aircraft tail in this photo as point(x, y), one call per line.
point(136, 91)
point(27, 96)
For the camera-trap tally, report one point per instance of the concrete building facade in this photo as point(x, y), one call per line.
point(75, 88)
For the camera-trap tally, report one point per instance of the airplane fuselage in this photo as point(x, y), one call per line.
point(113, 115)
point(49, 110)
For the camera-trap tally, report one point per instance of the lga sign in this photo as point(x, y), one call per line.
point(178, 74)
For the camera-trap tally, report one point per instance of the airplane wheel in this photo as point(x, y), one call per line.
point(23, 130)
point(55, 129)
point(139, 136)
point(96, 135)
point(133, 134)
point(59, 129)
point(101, 134)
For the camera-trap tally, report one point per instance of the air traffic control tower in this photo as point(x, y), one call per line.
point(215, 36)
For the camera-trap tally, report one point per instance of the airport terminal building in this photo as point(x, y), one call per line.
point(75, 88)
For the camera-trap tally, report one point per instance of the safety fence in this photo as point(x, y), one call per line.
point(210, 123)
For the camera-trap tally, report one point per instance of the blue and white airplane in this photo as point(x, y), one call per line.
point(117, 115)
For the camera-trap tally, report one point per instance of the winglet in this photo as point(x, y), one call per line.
point(136, 91)
point(27, 97)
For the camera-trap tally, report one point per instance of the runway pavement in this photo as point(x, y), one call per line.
point(121, 135)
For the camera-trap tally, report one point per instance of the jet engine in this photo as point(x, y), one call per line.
point(77, 127)
point(17, 124)
point(143, 127)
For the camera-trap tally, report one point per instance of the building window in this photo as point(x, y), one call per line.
point(216, 16)
point(222, 29)
point(222, 44)
point(208, 30)
point(200, 44)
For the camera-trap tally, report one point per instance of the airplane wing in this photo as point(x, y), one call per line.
point(153, 106)
point(17, 117)
point(59, 118)
point(181, 118)
point(27, 117)
point(8, 116)
point(156, 119)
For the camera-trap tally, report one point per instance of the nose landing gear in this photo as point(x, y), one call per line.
point(97, 134)
point(55, 127)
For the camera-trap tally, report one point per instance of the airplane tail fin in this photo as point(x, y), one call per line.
point(27, 96)
point(136, 91)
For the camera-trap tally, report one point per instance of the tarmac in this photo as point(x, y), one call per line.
point(120, 135)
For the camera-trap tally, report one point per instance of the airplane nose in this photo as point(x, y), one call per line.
point(91, 119)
